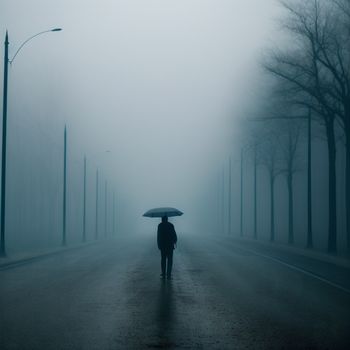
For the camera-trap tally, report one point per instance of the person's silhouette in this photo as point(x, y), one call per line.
point(166, 239)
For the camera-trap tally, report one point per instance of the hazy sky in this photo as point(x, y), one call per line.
point(157, 82)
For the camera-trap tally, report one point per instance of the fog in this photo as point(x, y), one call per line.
point(234, 112)
point(156, 95)
point(149, 91)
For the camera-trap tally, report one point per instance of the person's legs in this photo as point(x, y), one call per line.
point(163, 262)
point(170, 263)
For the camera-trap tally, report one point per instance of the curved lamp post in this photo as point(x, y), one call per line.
point(4, 133)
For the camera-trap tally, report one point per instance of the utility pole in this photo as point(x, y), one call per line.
point(113, 213)
point(309, 184)
point(255, 192)
point(229, 196)
point(84, 204)
point(241, 219)
point(223, 200)
point(4, 139)
point(96, 212)
point(64, 242)
point(4, 133)
point(218, 209)
point(106, 208)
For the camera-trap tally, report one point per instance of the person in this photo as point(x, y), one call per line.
point(166, 239)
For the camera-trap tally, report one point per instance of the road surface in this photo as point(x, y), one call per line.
point(222, 296)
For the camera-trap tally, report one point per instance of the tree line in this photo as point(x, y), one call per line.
point(310, 86)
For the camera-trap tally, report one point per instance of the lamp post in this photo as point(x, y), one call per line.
point(241, 199)
point(96, 207)
point(106, 208)
point(223, 199)
point(3, 160)
point(229, 195)
point(4, 133)
point(255, 191)
point(113, 221)
point(64, 224)
point(84, 202)
point(97, 201)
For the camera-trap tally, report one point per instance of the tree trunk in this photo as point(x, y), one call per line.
point(290, 208)
point(272, 208)
point(309, 243)
point(347, 174)
point(332, 199)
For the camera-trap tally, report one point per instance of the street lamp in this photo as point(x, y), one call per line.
point(97, 203)
point(32, 37)
point(4, 133)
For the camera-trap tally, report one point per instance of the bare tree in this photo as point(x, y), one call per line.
point(314, 72)
point(254, 139)
point(269, 157)
point(334, 56)
point(288, 137)
point(309, 240)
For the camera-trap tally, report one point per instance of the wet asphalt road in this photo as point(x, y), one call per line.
point(110, 296)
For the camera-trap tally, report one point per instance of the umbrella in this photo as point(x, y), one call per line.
point(160, 212)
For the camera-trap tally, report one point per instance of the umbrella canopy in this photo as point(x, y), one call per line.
point(160, 212)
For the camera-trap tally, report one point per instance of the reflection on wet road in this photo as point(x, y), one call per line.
point(166, 311)
point(110, 296)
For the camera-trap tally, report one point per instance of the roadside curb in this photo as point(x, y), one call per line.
point(317, 255)
point(9, 262)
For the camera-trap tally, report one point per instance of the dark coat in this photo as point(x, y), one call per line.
point(166, 236)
